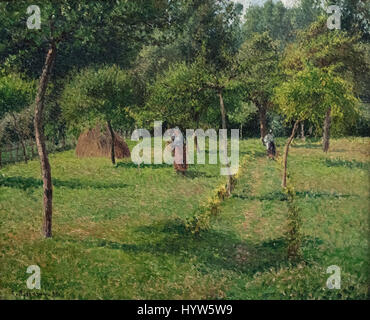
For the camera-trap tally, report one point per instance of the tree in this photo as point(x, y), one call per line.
point(19, 127)
point(16, 95)
point(241, 114)
point(272, 17)
point(355, 16)
point(74, 28)
point(99, 94)
point(308, 95)
point(281, 23)
point(258, 68)
point(324, 48)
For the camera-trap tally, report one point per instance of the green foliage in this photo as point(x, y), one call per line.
point(311, 92)
point(83, 29)
point(355, 16)
point(200, 221)
point(324, 48)
point(242, 113)
point(15, 93)
point(258, 68)
point(98, 94)
point(280, 22)
point(179, 97)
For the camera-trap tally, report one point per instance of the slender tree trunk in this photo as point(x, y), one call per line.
point(284, 183)
point(24, 151)
point(196, 137)
point(40, 141)
point(326, 137)
point(263, 125)
point(32, 149)
point(223, 117)
point(222, 109)
point(310, 131)
point(113, 151)
point(302, 132)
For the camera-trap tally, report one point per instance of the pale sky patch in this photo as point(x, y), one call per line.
point(247, 3)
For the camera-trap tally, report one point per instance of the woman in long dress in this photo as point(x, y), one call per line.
point(179, 147)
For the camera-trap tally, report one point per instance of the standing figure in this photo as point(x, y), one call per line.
point(270, 145)
point(179, 148)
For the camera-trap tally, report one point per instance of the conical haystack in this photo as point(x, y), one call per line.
point(97, 143)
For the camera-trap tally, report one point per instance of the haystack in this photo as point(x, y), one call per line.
point(97, 142)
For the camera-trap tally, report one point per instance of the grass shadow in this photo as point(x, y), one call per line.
point(281, 196)
point(354, 164)
point(130, 165)
point(192, 174)
point(24, 183)
point(213, 250)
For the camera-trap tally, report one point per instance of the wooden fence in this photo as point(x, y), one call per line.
point(17, 152)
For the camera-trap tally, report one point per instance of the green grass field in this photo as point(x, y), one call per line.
point(118, 232)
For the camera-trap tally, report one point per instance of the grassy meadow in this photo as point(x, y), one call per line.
point(119, 232)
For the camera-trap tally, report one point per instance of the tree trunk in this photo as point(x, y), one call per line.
point(326, 137)
point(263, 124)
point(113, 152)
point(40, 141)
point(223, 117)
point(196, 137)
point(302, 132)
point(284, 183)
point(24, 151)
point(222, 109)
point(32, 149)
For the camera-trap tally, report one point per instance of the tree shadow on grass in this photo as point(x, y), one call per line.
point(281, 196)
point(354, 164)
point(307, 146)
point(130, 165)
point(257, 154)
point(24, 183)
point(213, 250)
point(192, 174)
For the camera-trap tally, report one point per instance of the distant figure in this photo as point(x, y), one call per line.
point(270, 145)
point(179, 151)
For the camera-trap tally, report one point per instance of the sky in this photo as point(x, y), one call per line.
point(246, 3)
